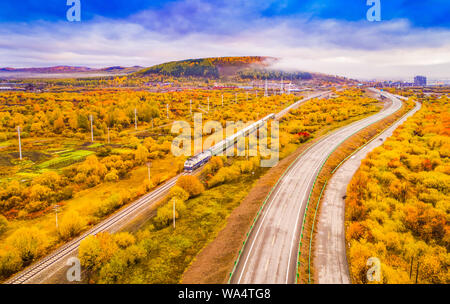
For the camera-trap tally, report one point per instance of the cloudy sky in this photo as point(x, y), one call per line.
point(329, 36)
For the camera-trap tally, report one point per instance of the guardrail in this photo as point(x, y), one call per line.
point(276, 184)
point(323, 188)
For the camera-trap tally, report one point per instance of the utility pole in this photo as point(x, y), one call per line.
point(56, 215)
point(173, 213)
point(148, 166)
point(417, 271)
point(92, 128)
point(411, 267)
point(20, 143)
point(135, 118)
point(281, 86)
point(265, 89)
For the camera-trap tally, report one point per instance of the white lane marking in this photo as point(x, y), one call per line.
point(292, 169)
point(329, 255)
point(357, 124)
point(364, 123)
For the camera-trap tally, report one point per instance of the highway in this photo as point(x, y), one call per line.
point(270, 254)
point(55, 263)
point(330, 258)
point(298, 103)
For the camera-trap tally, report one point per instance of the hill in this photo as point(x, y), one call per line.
point(55, 69)
point(64, 71)
point(207, 67)
point(239, 68)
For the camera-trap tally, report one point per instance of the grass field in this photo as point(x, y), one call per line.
point(65, 159)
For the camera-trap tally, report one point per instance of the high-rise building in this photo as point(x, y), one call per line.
point(420, 81)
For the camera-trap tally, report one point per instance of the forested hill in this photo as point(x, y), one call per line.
point(239, 68)
point(208, 67)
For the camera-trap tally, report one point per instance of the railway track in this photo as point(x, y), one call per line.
point(111, 224)
point(114, 222)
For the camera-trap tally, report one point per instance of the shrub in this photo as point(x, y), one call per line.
point(178, 193)
point(124, 239)
point(96, 250)
point(29, 243)
point(141, 154)
point(216, 163)
point(112, 176)
point(10, 262)
point(164, 215)
point(71, 225)
point(107, 206)
point(225, 174)
point(191, 185)
point(3, 224)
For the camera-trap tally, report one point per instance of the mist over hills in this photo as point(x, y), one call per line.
point(241, 68)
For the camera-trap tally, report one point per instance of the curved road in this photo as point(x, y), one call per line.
point(270, 254)
point(330, 253)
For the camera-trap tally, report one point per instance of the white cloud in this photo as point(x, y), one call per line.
point(356, 49)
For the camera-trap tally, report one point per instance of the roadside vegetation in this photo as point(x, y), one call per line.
point(307, 268)
point(398, 203)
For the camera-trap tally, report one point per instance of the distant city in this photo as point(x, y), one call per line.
point(418, 81)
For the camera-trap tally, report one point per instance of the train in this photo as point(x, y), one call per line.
point(202, 158)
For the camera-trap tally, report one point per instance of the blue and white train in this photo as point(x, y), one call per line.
point(202, 158)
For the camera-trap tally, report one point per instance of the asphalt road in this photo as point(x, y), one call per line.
point(270, 254)
point(330, 258)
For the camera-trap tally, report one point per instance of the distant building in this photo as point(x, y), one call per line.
point(420, 81)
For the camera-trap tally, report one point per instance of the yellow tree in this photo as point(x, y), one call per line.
point(70, 225)
point(191, 185)
point(29, 242)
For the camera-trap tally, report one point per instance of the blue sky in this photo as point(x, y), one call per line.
point(430, 13)
point(324, 36)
